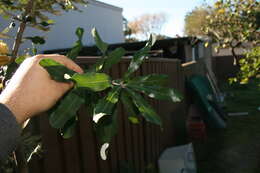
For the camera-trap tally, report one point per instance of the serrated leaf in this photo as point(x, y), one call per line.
point(66, 109)
point(106, 105)
point(102, 46)
point(114, 57)
point(152, 79)
point(74, 52)
point(106, 128)
point(69, 128)
point(144, 108)
point(139, 57)
point(56, 70)
point(158, 92)
point(130, 108)
point(92, 81)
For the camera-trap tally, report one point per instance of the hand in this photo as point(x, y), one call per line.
point(32, 91)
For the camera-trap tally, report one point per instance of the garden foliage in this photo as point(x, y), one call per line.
point(88, 88)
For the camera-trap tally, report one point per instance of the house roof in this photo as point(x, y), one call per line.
point(105, 5)
point(170, 48)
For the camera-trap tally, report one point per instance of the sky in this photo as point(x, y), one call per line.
point(174, 9)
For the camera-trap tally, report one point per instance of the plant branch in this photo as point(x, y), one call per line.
point(236, 58)
point(19, 36)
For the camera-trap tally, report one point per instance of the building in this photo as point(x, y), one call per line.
point(106, 18)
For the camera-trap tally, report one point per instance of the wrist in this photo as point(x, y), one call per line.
point(19, 115)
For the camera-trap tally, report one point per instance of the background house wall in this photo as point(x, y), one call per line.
point(106, 18)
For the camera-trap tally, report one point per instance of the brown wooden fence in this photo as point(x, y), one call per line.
point(224, 67)
point(139, 145)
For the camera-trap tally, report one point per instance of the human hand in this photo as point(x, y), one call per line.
point(31, 89)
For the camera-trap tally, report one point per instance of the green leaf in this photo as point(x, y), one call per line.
point(36, 39)
point(98, 66)
point(106, 105)
point(69, 128)
point(114, 57)
point(158, 92)
point(106, 128)
point(144, 108)
point(56, 70)
point(92, 81)
point(130, 108)
point(152, 79)
point(47, 23)
point(20, 59)
point(6, 30)
point(99, 42)
point(74, 52)
point(79, 32)
point(66, 108)
point(11, 68)
point(139, 57)
point(106, 63)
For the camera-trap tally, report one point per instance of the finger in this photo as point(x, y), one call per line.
point(68, 63)
point(63, 60)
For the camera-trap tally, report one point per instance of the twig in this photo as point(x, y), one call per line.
point(21, 29)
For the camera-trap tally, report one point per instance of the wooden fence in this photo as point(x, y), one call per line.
point(138, 145)
point(224, 67)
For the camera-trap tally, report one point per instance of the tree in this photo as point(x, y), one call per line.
point(249, 67)
point(233, 24)
point(32, 13)
point(195, 20)
point(128, 32)
point(147, 24)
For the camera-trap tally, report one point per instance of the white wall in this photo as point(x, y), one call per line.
point(106, 18)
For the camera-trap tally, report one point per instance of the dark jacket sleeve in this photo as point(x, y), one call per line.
point(9, 132)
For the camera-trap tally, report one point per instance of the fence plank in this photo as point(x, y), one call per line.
point(53, 152)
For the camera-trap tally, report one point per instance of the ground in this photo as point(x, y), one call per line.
point(237, 148)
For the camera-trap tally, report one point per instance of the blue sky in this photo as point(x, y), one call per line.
point(174, 9)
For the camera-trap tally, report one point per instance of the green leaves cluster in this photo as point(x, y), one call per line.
point(195, 20)
point(89, 86)
point(249, 67)
point(233, 23)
